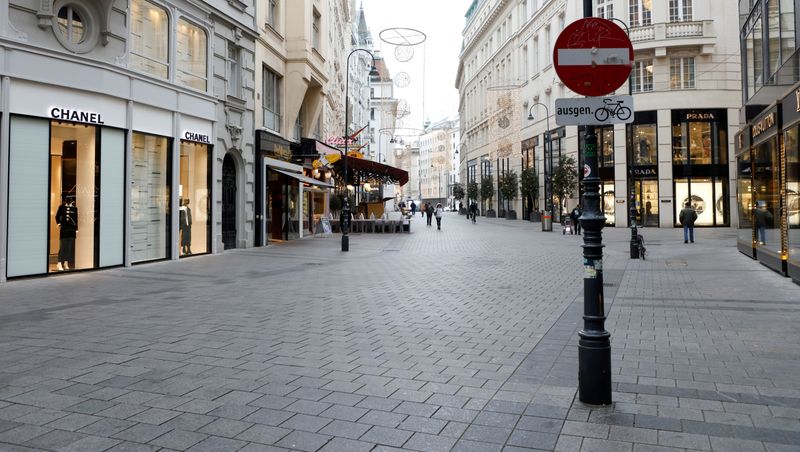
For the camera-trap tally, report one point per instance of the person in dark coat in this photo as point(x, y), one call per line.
point(574, 215)
point(429, 213)
point(413, 208)
point(687, 218)
point(763, 221)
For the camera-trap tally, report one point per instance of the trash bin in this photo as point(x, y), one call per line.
point(547, 221)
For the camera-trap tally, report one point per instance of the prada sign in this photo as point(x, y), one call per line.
point(716, 115)
point(644, 171)
point(67, 114)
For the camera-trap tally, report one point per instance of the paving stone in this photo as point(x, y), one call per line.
point(90, 444)
point(482, 433)
point(352, 430)
point(178, 439)
point(188, 421)
point(685, 440)
point(423, 425)
point(465, 445)
point(227, 428)
point(303, 441)
point(107, 427)
point(455, 414)
point(736, 445)
point(531, 439)
point(306, 423)
point(216, 444)
point(23, 434)
point(604, 445)
point(55, 439)
point(383, 418)
point(540, 424)
point(347, 445)
point(429, 443)
point(263, 434)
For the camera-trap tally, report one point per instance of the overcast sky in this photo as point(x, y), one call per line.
point(442, 21)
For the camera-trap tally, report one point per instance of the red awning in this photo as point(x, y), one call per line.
point(366, 170)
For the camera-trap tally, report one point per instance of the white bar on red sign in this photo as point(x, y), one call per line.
point(592, 57)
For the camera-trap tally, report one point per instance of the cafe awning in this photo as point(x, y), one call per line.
point(366, 170)
point(302, 178)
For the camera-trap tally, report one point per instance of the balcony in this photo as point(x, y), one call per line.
point(661, 36)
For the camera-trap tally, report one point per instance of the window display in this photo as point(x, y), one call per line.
point(646, 199)
point(73, 196)
point(608, 203)
point(793, 192)
point(150, 198)
point(194, 216)
point(766, 178)
point(642, 144)
point(707, 197)
point(744, 197)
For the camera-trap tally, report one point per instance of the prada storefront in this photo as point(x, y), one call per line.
point(700, 164)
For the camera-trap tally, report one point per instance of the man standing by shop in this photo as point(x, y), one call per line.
point(429, 213)
point(574, 215)
point(687, 218)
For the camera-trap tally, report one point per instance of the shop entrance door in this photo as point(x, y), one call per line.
point(646, 199)
point(228, 203)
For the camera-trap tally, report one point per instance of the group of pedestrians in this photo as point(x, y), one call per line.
point(427, 210)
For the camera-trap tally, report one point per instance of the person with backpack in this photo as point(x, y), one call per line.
point(473, 211)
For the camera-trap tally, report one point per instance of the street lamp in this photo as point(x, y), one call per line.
point(548, 176)
point(346, 209)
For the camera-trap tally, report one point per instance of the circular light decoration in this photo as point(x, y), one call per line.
point(399, 36)
point(402, 109)
point(403, 53)
point(402, 79)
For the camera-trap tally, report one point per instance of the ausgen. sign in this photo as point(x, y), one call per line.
point(594, 110)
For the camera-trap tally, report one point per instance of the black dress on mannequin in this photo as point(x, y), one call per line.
point(185, 218)
point(67, 220)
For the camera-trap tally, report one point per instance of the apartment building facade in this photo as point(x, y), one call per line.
point(675, 151)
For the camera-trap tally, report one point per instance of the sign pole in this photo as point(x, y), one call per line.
point(594, 345)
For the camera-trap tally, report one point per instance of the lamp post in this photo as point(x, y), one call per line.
point(346, 209)
point(548, 174)
point(594, 343)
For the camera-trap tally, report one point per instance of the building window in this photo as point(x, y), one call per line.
point(642, 144)
point(191, 55)
point(680, 10)
point(605, 9)
point(149, 39)
point(272, 14)
point(640, 12)
point(71, 26)
point(234, 71)
point(754, 58)
point(272, 100)
point(642, 76)
point(315, 29)
point(681, 73)
point(298, 124)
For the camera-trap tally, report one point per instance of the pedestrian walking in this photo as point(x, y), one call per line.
point(413, 208)
point(439, 211)
point(473, 211)
point(423, 209)
point(574, 215)
point(429, 212)
point(763, 221)
point(687, 218)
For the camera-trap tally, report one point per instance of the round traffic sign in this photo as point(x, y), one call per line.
point(593, 56)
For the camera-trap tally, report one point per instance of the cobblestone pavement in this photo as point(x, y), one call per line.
point(460, 339)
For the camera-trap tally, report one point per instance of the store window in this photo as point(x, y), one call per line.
point(640, 12)
point(642, 76)
point(767, 194)
point(681, 73)
point(744, 196)
point(642, 144)
point(194, 222)
point(680, 10)
point(149, 39)
point(271, 100)
point(74, 190)
point(607, 201)
point(150, 198)
point(793, 191)
point(192, 56)
point(706, 195)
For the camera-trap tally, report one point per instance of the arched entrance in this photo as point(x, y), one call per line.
point(228, 202)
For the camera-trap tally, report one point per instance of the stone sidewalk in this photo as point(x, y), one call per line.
point(460, 339)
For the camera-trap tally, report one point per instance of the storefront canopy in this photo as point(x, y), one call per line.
point(302, 178)
point(366, 170)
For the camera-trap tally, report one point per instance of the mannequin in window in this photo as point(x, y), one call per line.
point(644, 151)
point(185, 218)
point(67, 221)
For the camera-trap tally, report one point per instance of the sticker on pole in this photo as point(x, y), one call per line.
point(593, 56)
point(586, 170)
point(586, 111)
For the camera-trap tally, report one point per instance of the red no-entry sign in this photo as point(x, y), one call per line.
point(593, 56)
